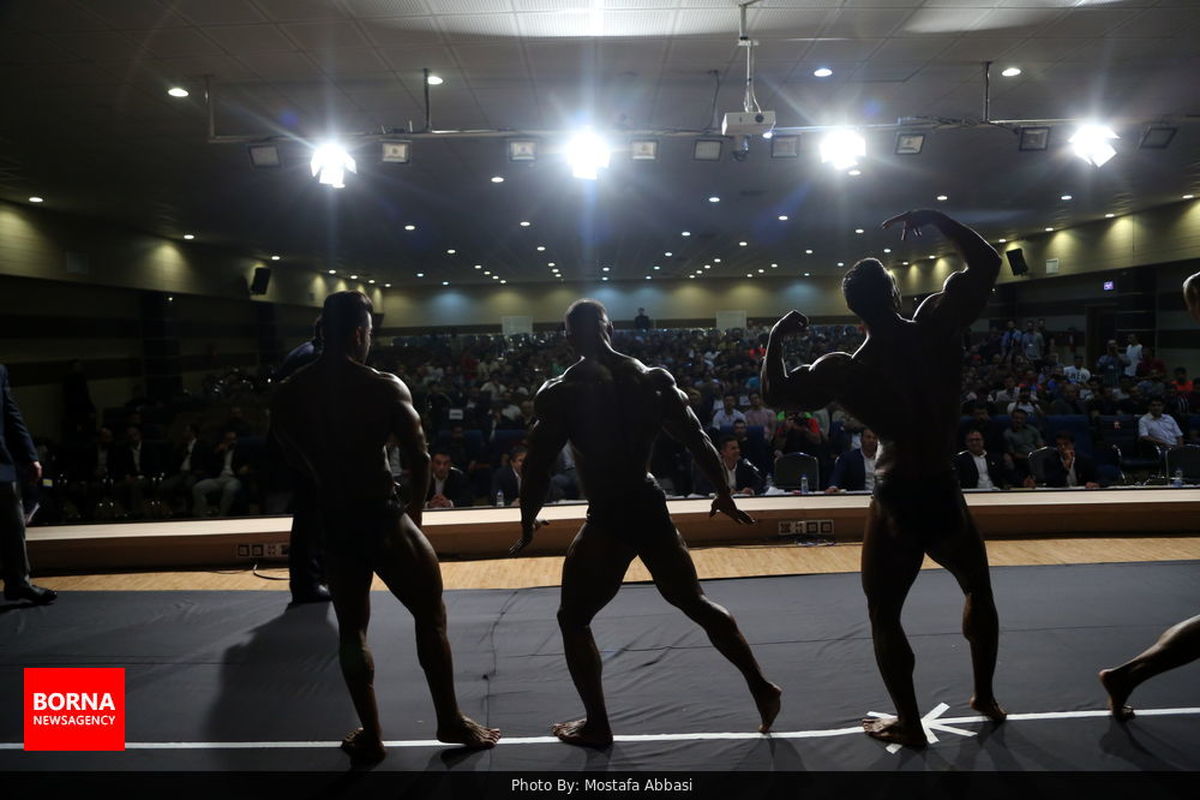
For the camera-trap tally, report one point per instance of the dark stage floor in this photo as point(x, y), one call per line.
point(232, 681)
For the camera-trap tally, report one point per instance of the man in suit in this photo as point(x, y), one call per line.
point(854, 470)
point(741, 476)
point(979, 468)
point(17, 455)
point(1070, 468)
point(506, 479)
point(448, 486)
point(225, 465)
point(134, 465)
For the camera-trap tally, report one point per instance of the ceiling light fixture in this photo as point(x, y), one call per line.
point(685, 233)
point(434, 80)
point(353, 277)
point(36, 199)
point(587, 154)
point(177, 91)
point(410, 227)
point(274, 258)
point(644, 149)
point(264, 156)
point(784, 146)
point(1189, 196)
point(189, 236)
point(525, 223)
point(420, 274)
point(714, 199)
point(522, 150)
point(1157, 137)
point(707, 150)
point(941, 198)
point(333, 272)
point(909, 144)
point(330, 163)
point(395, 152)
point(822, 72)
point(497, 179)
point(1066, 197)
point(1011, 72)
point(1048, 230)
point(842, 148)
point(783, 217)
point(668, 254)
point(451, 251)
point(1091, 143)
point(1036, 138)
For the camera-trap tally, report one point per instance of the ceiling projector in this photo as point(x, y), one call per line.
point(747, 123)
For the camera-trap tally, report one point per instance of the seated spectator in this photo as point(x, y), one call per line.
point(1183, 384)
point(506, 480)
point(1159, 429)
point(1151, 364)
point(1025, 402)
point(981, 420)
point(1000, 398)
point(978, 468)
point(854, 470)
point(134, 465)
point(1020, 440)
point(448, 487)
point(226, 464)
point(1068, 402)
point(728, 414)
point(1070, 468)
point(741, 476)
point(1111, 366)
point(758, 414)
point(184, 469)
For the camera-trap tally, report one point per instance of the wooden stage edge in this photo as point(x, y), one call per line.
point(478, 533)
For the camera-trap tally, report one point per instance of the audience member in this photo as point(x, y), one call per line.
point(1020, 440)
point(1159, 429)
point(741, 476)
point(448, 487)
point(1070, 468)
point(854, 470)
point(226, 463)
point(506, 480)
point(979, 468)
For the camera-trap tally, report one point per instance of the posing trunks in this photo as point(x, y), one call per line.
point(927, 508)
point(357, 530)
point(633, 515)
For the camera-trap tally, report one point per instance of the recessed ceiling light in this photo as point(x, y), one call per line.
point(822, 72)
point(495, 277)
point(941, 198)
point(497, 179)
point(525, 223)
point(1065, 197)
point(1189, 196)
point(708, 266)
point(808, 252)
point(783, 217)
point(887, 249)
point(504, 281)
point(177, 91)
point(445, 283)
point(685, 233)
point(668, 254)
point(716, 261)
point(691, 277)
point(36, 199)
point(1109, 216)
point(274, 258)
point(353, 277)
point(859, 230)
point(487, 272)
point(333, 272)
point(714, 199)
point(387, 286)
point(841, 263)
point(854, 173)
point(451, 251)
point(656, 266)
point(603, 277)
point(189, 236)
point(410, 227)
point(749, 274)
point(1011, 72)
point(774, 266)
point(541, 248)
point(1002, 241)
point(1049, 230)
point(479, 266)
point(434, 80)
point(549, 263)
point(742, 244)
point(371, 281)
point(420, 274)
point(933, 258)
point(648, 277)
point(905, 263)
point(604, 269)
point(761, 270)
point(807, 274)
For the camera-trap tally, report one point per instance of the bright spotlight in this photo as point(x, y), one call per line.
point(842, 148)
point(587, 153)
point(1091, 143)
point(329, 165)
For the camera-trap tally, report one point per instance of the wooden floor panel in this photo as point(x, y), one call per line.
point(714, 562)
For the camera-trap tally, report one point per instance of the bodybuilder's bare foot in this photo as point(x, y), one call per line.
point(1118, 693)
point(990, 709)
point(363, 748)
point(891, 730)
point(468, 733)
point(583, 733)
point(767, 700)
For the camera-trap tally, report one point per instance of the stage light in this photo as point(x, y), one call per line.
point(909, 144)
point(36, 199)
point(808, 252)
point(177, 91)
point(644, 149)
point(685, 233)
point(353, 277)
point(451, 252)
point(1157, 137)
point(497, 179)
point(714, 199)
point(329, 165)
point(1034, 138)
point(522, 150)
point(420, 274)
point(274, 258)
point(822, 72)
point(434, 80)
point(410, 227)
point(859, 231)
point(264, 156)
point(587, 154)
point(783, 217)
point(941, 198)
point(785, 146)
point(524, 223)
point(842, 148)
point(479, 266)
point(189, 236)
point(541, 248)
point(1011, 72)
point(395, 152)
point(1091, 143)
point(333, 272)
point(707, 150)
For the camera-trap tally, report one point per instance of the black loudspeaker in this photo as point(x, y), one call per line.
point(1016, 260)
point(262, 279)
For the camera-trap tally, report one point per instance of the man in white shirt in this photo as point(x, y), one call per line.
point(1159, 429)
point(728, 414)
point(1077, 372)
point(1133, 355)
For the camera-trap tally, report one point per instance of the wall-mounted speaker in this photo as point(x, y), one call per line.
point(262, 279)
point(1016, 261)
